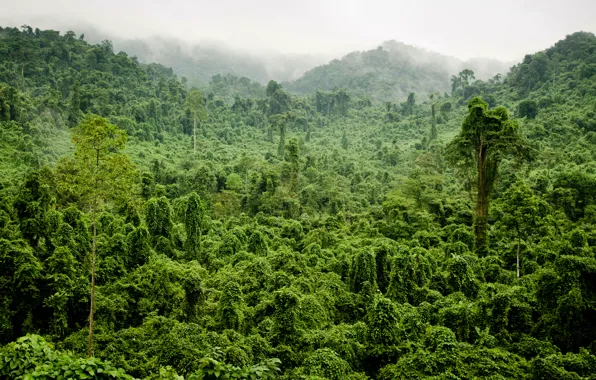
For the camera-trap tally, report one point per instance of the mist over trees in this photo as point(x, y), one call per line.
point(391, 72)
point(246, 230)
point(384, 74)
point(199, 62)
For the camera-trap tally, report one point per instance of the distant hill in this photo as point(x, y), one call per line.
point(569, 61)
point(387, 73)
point(484, 68)
point(391, 72)
point(200, 62)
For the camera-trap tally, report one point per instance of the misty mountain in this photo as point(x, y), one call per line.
point(392, 71)
point(484, 68)
point(200, 62)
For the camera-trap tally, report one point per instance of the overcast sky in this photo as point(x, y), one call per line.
point(502, 29)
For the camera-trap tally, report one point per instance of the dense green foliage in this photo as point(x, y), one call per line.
point(378, 72)
point(309, 237)
point(31, 357)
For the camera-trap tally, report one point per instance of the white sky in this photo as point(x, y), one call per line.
point(502, 29)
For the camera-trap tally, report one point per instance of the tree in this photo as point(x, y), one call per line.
point(33, 203)
point(383, 267)
point(20, 272)
point(383, 322)
point(344, 140)
point(445, 108)
point(272, 87)
point(520, 214)
point(325, 363)
point(342, 100)
point(279, 101)
point(193, 223)
point(466, 78)
point(97, 173)
point(230, 308)
point(486, 137)
point(158, 216)
point(528, 108)
point(74, 110)
point(433, 105)
point(281, 121)
point(364, 269)
point(293, 158)
point(284, 328)
point(555, 60)
point(257, 243)
point(282, 139)
point(195, 102)
point(455, 84)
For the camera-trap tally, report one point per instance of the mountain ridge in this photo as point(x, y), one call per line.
point(199, 62)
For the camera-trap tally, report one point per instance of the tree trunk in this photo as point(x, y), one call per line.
point(481, 204)
point(481, 221)
point(518, 248)
point(195, 134)
point(93, 249)
point(282, 142)
point(433, 131)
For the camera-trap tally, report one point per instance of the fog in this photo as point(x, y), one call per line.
point(504, 29)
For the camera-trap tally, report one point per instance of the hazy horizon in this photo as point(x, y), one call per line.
point(462, 29)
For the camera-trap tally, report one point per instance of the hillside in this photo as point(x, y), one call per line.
point(316, 236)
point(49, 81)
point(484, 68)
point(391, 72)
point(200, 62)
point(389, 76)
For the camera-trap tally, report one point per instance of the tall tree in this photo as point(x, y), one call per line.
point(272, 86)
point(520, 214)
point(74, 110)
point(486, 137)
point(282, 139)
point(98, 172)
point(194, 212)
point(363, 270)
point(293, 158)
point(195, 102)
point(466, 77)
point(279, 101)
point(433, 105)
point(158, 216)
point(455, 84)
point(281, 121)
